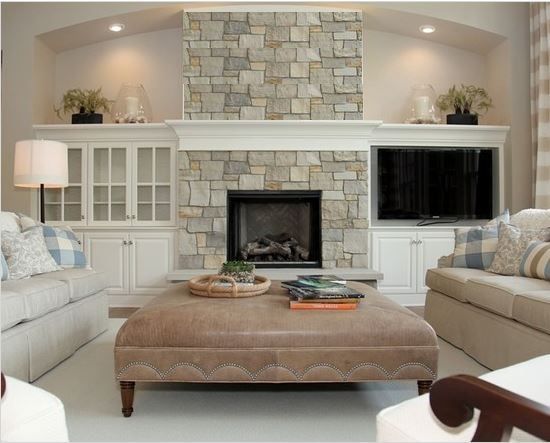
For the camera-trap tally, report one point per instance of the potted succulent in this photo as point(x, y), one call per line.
point(84, 104)
point(240, 271)
point(467, 102)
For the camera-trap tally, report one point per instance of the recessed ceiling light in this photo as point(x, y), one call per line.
point(427, 29)
point(116, 27)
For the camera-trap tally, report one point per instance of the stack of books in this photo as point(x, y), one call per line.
point(327, 292)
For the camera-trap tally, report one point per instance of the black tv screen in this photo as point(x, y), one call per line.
point(424, 183)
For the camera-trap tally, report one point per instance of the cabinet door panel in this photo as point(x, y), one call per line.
point(107, 252)
point(393, 254)
point(152, 257)
point(431, 246)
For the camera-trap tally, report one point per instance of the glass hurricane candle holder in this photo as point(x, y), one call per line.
point(132, 105)
point(422, 105)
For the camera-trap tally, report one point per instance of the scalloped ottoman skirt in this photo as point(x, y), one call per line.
point(179, 337)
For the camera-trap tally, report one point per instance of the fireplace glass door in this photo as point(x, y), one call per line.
point(275, 228)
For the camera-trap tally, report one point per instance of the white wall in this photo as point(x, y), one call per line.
point(394, 63)
point(153, 59)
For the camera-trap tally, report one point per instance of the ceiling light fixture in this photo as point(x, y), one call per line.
point(427, 29)
point(116, 27)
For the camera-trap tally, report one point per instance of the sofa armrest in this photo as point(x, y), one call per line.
point(446, 261)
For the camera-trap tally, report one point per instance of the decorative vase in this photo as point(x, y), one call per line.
point(422, 105)
point(84, 118)
point(132, 105)
point(462, 119)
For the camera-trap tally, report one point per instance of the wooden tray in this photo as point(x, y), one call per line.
point(204, 286)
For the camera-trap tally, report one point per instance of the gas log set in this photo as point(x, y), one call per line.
point(281, 247)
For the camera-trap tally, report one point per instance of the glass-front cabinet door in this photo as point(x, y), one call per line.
point(68, 205)
point(153, 187)
point(109, 177)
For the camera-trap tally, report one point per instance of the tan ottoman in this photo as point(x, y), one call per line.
point(179, 337)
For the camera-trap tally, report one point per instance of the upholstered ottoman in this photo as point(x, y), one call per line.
point(179, 337)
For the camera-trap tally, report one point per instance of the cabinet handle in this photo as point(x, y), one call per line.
point(82, 217)
point(133, 217)
point(413, 242)
point(419, 242)
point(130, 242)
point(124, 242)
point(127, 217)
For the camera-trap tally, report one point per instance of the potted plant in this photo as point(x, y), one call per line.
point(240, 271)
point(468, 102)
point(84, 103)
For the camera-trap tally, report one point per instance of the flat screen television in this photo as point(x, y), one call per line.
point(432, 183)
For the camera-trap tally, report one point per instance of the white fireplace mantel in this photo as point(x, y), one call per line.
point(260, 135)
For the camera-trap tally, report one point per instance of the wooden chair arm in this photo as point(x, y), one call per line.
point(453, 400)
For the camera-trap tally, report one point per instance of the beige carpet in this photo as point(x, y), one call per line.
point(187, 412)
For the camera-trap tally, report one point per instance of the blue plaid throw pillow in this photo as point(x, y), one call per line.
point(475, 247)
point(64, 247)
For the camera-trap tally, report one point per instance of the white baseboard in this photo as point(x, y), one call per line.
point(129, 301)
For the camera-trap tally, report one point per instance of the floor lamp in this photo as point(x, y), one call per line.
point(40, 164)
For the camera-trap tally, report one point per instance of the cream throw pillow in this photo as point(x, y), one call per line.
point(26, 254)
point(512, 243)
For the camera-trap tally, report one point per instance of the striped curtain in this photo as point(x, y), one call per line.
point(540, 100)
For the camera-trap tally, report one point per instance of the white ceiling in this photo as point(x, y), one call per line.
point(378, 18)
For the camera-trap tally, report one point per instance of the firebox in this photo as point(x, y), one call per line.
point(274, 228)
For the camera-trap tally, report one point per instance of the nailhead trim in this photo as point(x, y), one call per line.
point(254, 376)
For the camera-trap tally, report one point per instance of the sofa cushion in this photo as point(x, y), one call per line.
point(451, 281)
point(64, 247)
point(81, 282)
point(9, 221)
point(531, 219)
point(536, 261)
point(533, 309)
point(13, 309)
point(512, 243)
point(40, 295)
point(497, 293)
point(475, 247)
point(26, 254)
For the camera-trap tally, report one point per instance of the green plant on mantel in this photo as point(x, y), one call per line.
point(465, 100)
point(86, 101)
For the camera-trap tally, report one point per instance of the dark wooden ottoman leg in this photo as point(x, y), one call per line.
point(424, 386)
point(127, 395)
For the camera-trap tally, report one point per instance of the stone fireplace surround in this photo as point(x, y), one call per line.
point(205, 176)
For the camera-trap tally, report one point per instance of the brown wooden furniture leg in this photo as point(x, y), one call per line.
point(424, 386)
point(127, 395)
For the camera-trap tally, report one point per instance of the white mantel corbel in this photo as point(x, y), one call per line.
point(269, 135)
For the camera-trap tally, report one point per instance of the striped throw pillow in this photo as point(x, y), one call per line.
point(536, 261)
point(475, 247)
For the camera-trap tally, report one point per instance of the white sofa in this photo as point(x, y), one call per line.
point(498, 320)
point(414, 420)
point(47, 317)
point(31, 414)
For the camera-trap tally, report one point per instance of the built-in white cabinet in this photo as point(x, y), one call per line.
point(135, 262)
point(121, 202)
point(404, 256)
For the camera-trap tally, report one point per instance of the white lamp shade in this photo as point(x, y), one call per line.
point(40, 162)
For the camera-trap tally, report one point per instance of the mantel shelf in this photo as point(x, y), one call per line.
point(270, 135)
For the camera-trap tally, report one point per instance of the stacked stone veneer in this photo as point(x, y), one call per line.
point(272, 65)
point(205, 177)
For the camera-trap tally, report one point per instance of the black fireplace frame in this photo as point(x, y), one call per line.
point(234, 200)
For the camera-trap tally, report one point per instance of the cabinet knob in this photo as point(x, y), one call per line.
point(124, 242)
point(82, 217)
point(413, 242)
point(130, 242)
point(133, 217)
point(127, 217)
